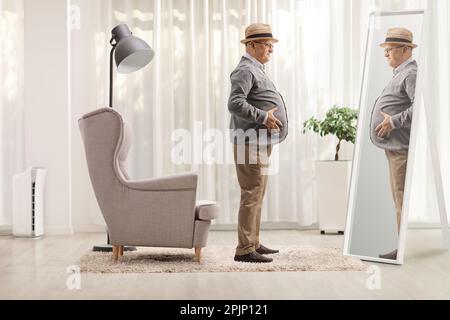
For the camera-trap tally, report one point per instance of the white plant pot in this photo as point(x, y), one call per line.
point(333, 181)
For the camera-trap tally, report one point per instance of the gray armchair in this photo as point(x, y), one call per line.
point(150, 213)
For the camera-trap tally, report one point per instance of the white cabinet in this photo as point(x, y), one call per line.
point(333, 181)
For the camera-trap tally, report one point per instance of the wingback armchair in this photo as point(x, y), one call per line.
point(160, 212)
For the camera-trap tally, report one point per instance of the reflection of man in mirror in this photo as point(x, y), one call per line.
point(392, 114)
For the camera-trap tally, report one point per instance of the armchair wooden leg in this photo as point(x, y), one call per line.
point(198, 254)
point(115, 253)
point(121, 251)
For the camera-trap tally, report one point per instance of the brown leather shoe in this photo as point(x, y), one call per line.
point(253, 257)
point(265, 250)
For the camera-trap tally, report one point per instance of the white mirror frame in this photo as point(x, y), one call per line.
point(411, 156)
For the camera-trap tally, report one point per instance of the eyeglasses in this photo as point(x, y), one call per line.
point(388, 50)
point(267, 45)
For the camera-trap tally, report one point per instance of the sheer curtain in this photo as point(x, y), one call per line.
point(11, 102)
point(436, 99)
point(317, 64)
point(197, 45)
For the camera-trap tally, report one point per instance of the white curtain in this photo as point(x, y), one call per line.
point(436, 100)
point(317, 64)
point(11, 102)
point(197, 45)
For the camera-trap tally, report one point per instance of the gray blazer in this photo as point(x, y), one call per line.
point(252, 95)
point(396, 100)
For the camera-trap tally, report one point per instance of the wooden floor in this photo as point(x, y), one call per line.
point(37, 270)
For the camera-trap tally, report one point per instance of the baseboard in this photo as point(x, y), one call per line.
point(424, 225)
point(296, 226)
point(90, 229)
point(58, 231)
point(268, 226)
point(215, 227)
point(51, 231)
point(5, 230)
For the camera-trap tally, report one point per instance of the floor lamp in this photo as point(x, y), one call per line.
point(131, 54)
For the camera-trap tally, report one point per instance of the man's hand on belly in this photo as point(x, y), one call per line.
point(385, 128)
point(273, 124)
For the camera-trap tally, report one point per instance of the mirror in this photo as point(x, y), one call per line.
point(379, 173)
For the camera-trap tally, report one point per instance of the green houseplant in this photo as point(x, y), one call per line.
point(339, 121)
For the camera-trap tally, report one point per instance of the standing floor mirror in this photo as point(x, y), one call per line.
point(375, 230)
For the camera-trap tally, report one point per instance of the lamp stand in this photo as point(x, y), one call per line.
point(111, 71)
point(108, 247)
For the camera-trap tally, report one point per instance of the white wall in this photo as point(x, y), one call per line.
point(11, 104)
point(46, 97)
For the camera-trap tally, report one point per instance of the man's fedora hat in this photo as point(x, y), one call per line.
point(399, 36)
point(258, 31)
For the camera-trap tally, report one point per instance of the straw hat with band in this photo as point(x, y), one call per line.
point(258, 31)
point(400, 36)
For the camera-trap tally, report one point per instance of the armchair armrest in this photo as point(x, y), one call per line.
point(207, 210)
point(186, 181)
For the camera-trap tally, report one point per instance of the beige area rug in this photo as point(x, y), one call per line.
point(218, 259)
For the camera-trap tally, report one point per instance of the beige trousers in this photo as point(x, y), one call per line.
point(398, 161)
point(251, 167)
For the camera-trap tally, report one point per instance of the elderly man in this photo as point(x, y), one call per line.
point(393, 111)
point(258, 121)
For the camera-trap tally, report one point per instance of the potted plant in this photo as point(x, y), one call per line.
point(333, 177)
point(339, 121)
